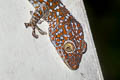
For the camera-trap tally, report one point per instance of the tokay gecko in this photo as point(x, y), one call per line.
point(65, 31)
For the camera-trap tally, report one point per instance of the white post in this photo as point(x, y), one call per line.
point(24, 58)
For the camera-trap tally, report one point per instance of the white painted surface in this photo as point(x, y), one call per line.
point(24, 58)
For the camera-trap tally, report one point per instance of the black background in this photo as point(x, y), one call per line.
point(104, 19)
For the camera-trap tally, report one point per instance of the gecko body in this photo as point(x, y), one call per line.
point(66, 33)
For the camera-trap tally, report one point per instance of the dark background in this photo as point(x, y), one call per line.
point(104, 19)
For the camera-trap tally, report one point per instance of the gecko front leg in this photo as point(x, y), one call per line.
point(33, 27)
point(36, 16)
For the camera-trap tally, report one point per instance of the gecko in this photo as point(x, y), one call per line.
point(65, 32)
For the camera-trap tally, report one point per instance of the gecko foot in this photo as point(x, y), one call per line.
point(27, 25)
point(35, 27)
point(34, 33)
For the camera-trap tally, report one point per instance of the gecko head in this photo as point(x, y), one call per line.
point(72, 53)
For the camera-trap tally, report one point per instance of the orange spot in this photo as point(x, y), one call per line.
point(50, 0)
point(68, 27)
point(61, 33)
point(78, 38)
point(50, 26)
point(55, 36)
point(70, 54)
point(50, 30)
point(65, 38)
point(72, 62)
point(66, 57)
point(78, 25)
point(48, 3)
point(56, 30)
point(58, 35)
point(53, 26)
point(59, 26)
point(44, 8)
point(61, 56)
point(36, 15)
point(35, 2)
point(58, 40)
point(71, 37)
point(79, 30)
point(62, 44)
point(57, 21)
point(82, 37)
point(55, 15)
point(79, 50)
point(58, 10)
point(41, 1)
point(59, 47)
point(48, 18)
point(84, 45)
point(57, 43)
point(53, 5)
point(71, 17)
point(36, 7)
point(73, 25)
point(70, 34)
point(75, 67)
point(60, 52)
point(40, 12)
point(56, 2)
point(61, 13)
point(79, 56)
point(64, 31)
point(53, 33)
point(52, 38)
point(62, 18)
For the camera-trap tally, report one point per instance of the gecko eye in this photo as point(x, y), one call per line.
point(69, 47)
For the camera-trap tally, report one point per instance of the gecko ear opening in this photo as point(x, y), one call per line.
point(84, 47)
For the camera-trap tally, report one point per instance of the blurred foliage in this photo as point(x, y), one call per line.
point(104, 18)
